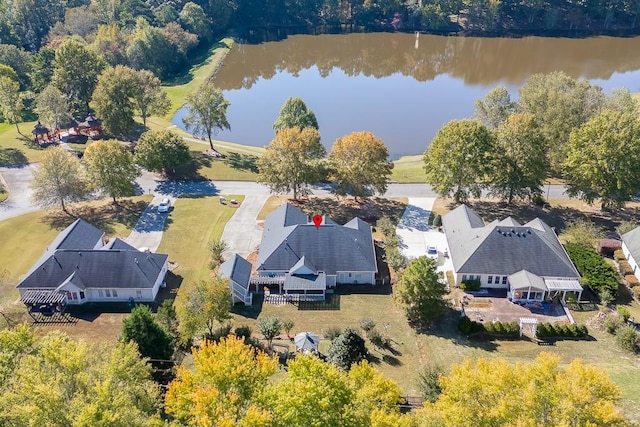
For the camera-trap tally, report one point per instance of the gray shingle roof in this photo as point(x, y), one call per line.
point(237, 269)
point(97, 269)
point(289, 235)
point(79, 235)
point(119, 244)
point(504, 247)
point(523, 279)
point(632, 240)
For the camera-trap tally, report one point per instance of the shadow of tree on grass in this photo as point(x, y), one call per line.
point(245, 162)
point(12, 157)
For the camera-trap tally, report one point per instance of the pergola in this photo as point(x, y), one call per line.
point(305, 283)
point(44, 300)
point(40, 134)
point(529, 321)
point(564, 286)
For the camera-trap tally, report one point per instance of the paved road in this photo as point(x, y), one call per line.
point(19, 201)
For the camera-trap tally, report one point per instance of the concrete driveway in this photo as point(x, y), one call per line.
point(415, 234)
point(19, 202)
point(148, 230)
point(242, 232)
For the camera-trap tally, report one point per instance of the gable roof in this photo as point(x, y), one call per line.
point(237, 269)
point(118, 243)
point(632, 241)
point(504, 247)
point(79, 235)
point(289, 236)
point(524, 279)
point(97, 269)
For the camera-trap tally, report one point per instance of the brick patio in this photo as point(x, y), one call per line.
point(497, 308)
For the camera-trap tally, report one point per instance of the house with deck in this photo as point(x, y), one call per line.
point(298, 257)
point(81, 266)
point(527, 260)
point(238, 271)
point(631, 249)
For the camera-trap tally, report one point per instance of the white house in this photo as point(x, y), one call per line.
point(238, 271)
point(528, 260)
point(79, 267)
point(310, 259)
point(631, 249)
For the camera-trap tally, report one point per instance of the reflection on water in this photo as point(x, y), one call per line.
point(402, 87)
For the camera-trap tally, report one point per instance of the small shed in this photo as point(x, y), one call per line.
point(307, 341)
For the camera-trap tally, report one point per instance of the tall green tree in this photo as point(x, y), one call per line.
point(347, 349)
point(420, 293)
point(269, 327)
point(111, 99)
point(204, 305)
point(153, 340)
point(52, 107)
point(520, 159)
point(359, 163)
point(558, 104)
point(161, 151)
point(494, 109)
point(459, 159)
point(207, 112)
point(292, 161)
point(10, 101)
point(62, 382)
point(110, 168)
point(148, 96)
point(58, 179)
point(294, 113)
point(75, 72)
point(603, 159)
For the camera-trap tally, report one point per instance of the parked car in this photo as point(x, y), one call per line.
point(164, 205)
point(432, 252)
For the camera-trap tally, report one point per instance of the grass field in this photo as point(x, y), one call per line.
point(409, 169)
point(25, 237)
point(193, 223)
point(15, 149)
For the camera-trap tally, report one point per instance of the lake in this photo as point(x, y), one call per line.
point(401, 87)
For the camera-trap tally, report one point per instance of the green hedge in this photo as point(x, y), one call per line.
point(467, 326)
point(549, 330)
point(470, 285)
point(596, 273)
point(506, 329)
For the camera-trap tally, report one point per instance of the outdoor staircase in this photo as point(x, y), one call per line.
point(240, 294)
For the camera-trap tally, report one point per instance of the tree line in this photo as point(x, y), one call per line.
point(559, 126)
point(56, 381)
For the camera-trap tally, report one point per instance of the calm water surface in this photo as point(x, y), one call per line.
point(401, 87)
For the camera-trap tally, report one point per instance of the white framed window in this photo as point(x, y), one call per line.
point(114, 293)
point(464, 277)
point(504, 280)
point(107, 293)
point(490, 280)
point(100, 293)
point(138, 293)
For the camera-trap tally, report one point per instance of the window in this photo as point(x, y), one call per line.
point(138, 293)
point(100, 293)
point(114, 293)
point(81, 294)
point(490, 280)
point(464, 277)
point(107, 293)
point(504, 280)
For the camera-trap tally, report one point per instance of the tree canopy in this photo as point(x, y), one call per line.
point(52, 107)
point(58, 179)
point(295, 114)
point(603, 159)
point(359, 163)
point(202, 306)
point(292, 161)
point(161, 151)
point(110, 168)
point(347, 349)
point(206, 112)
point(495, 108)
point(420, 293)
point(152, 339)
point(459, 158)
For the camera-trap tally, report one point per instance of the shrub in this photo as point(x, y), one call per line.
point(612, 323)
point(347, 349)
point(243, 331)
point(367, 325)
point(596, 273)
point(386, 226)
point(221, 332)
point(332, 333)
point(632, 280)
point(216, 248)
point(467, 326)
point(549, 330)
point(287, 326)
point(618, 254)
point(498, 329)
point(627, 338)
point(429, 382)
point(437, 220)
point(636, 292)
point(395, 259)
point(470, 285)
point(625, 227)
point(623, 312)
point(625, 268)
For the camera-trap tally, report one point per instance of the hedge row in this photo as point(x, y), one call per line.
point(467, 326)
point(596, 273)
point(470, 285)
point(632, 280)
point(625, 268)
point(549, 330)
point(618, 254)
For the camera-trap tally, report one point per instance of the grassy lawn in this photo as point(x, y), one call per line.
point(16, 150)
point(203, 70)
point(409, 169)
point(192, 224)
point(25, 237)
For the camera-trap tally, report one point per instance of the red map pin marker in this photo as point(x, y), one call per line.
point(317, 220)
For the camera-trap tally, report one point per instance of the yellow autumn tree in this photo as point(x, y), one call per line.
point(359, 163)
point(494, 392)
point(220, 390)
